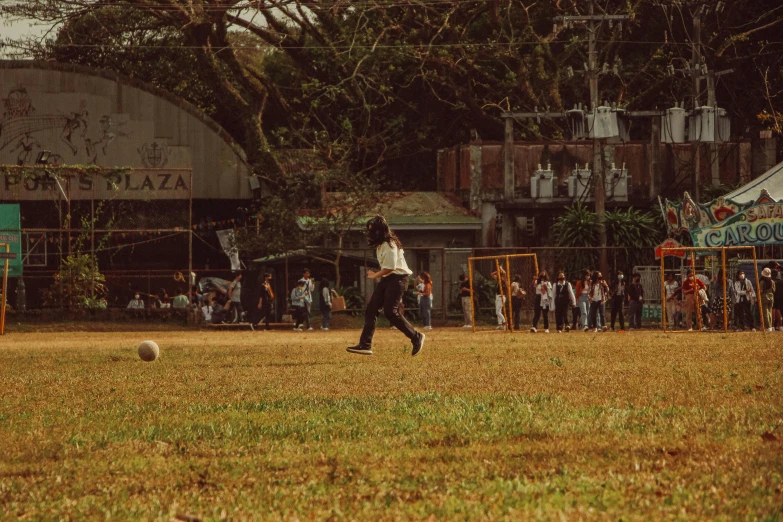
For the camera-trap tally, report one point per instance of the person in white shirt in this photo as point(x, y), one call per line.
point(743, 297)
point(326, 304)
point(235, 296)
point(500, 297)
point(599, 290)
point(671, 286)
point(389, 292)
point(543, 300)
point(206, 310)
point(309, 292)
point(136, 303)
point(563, 299)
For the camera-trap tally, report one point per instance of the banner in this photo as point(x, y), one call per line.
point(139, 184)
point(669, 243)
point(10, 232)
point(758, 225)
point(226, 238)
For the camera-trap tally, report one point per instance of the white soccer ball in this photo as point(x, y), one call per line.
point(148, 351)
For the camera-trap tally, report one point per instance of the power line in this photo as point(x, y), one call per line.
point(378, 46)
point(257, 5)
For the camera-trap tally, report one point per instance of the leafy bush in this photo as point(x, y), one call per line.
point(633, 230)
point(79, 284)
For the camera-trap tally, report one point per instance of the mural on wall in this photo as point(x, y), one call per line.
point(85, 117)
point(154, 156)
point(29, 132)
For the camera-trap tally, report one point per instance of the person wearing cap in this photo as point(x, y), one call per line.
point(767, 294)
point(690, 290)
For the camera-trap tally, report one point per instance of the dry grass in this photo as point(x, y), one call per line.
point(289, 426)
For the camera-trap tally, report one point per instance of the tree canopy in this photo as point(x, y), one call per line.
point(377, 86)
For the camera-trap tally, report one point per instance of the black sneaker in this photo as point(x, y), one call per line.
point(418, 344)
point(363, 350)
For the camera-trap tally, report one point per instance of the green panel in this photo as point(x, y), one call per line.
point(11, 232)
point(651, 312)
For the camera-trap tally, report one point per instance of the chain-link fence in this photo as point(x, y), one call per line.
point(77, 219)
point(141, 228)
point(712, 289)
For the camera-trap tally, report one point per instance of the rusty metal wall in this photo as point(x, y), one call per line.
point(734, 160)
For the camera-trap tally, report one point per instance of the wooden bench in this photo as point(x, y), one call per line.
point(231, 326)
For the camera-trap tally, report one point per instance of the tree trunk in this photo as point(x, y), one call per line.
point(337, 257)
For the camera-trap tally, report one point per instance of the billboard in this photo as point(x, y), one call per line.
point(11, 233)
point(761, 224)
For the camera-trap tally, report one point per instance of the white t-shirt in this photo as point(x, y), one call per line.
point(670, 288)
point(237, 293)
point(391, 257)
point(597, 293)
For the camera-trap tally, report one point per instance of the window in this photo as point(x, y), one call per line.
point(422, 261)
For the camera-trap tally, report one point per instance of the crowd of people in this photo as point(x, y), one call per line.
point(703, 294)
point(695, 302)
point(588, 298)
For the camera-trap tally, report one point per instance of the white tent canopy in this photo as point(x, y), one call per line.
point(772, 180)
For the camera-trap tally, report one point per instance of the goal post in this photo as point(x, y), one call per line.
point(479, 271)
point(5, 255)
point(721, 252)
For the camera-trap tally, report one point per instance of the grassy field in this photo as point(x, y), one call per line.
point(244, 425)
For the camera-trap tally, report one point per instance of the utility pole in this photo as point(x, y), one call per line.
point(594, 23)
point(599, 192)
point(712, 102)
point(592, 73)
point(696, 84)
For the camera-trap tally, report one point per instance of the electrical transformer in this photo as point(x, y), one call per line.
point(617, 184)
point(602, 123)
point(542, 183)
point(580, 184)
point(709, 125)
point(673, 125)
point(576, 122)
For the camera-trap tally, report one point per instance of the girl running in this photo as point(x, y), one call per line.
point(388, 294)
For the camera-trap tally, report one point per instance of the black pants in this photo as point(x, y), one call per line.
point(387, 297)
point(617, 308)
point(265, 313)
point(306, 315)
point(742, 315)
point(561, 315)
point(516, 310)
point(298, 315)
point(577, 315)
point(596, 312)
point(236, 308)
point(537, 313)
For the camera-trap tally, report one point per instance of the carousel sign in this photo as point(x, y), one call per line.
point(761, 224)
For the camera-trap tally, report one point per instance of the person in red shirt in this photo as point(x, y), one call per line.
point(690, 290)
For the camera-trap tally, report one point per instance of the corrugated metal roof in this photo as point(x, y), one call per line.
point(425, 209)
